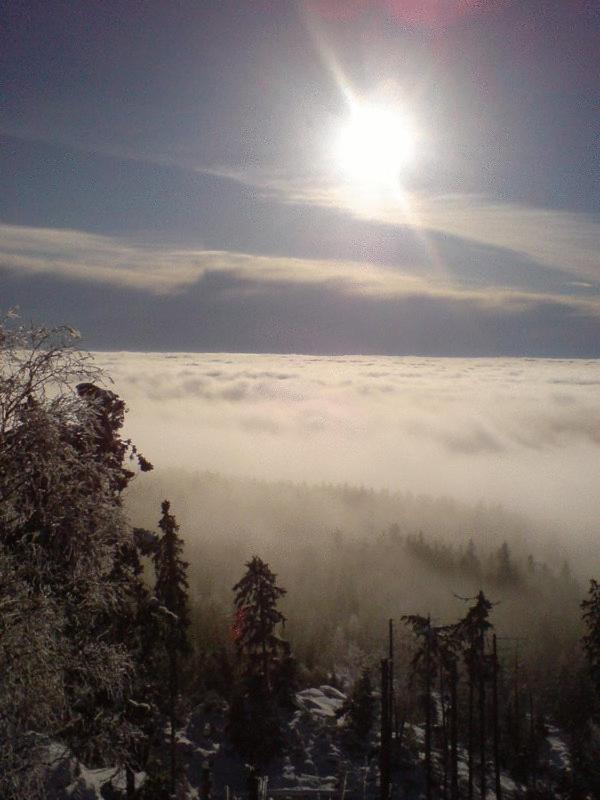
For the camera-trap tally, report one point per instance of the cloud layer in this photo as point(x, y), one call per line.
point(86, 257)
point(521, 432)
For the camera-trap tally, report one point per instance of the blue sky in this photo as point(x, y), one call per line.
point(170, 178)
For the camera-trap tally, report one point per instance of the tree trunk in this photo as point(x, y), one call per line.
point(253, 781)
point(173, 717)
point(498, 784)
point(482, 720)
point(532, 747)
point(129, 782)
point(453, 733)
point(205, 784)
point(384, 764)
point(264, 653)
point(444, 733)
point(428, 780)
point(470, 737)
point(517, 728)
point(393, 714)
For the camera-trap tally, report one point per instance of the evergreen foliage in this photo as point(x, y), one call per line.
point(171, 605)
point(591, 641)
point(506, 573)
point(265, 663)
point(469, 561)
point(359, 712)
point(259, 648)
point(171, 587)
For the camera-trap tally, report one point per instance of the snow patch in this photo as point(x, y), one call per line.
point(323, 702)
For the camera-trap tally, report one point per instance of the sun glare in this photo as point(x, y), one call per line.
point(375, 145)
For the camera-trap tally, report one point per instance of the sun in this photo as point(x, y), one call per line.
point(375, 145)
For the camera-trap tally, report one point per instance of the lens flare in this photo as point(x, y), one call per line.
point(375, 145)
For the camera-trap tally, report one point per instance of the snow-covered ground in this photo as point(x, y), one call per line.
point(69, 778)
point(313, 763)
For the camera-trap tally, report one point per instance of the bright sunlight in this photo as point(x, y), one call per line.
point(375, 144)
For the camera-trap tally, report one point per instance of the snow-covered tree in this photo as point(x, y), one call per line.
point(66, 666)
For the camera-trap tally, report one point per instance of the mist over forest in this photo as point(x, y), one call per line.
point(374, 487)
point(351, 558)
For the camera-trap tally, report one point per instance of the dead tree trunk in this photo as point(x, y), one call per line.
point(517, 724)
point(482, 720)
point(532, 743)
point(428, 780)
point(444, 733)
point(392, 706)
point(385, 761)
point(498, 782)
point(129, 782)
point(173, 718)
point(470, 737)
point(453, 733)
point(205, 783)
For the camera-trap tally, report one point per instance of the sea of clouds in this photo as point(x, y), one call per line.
point(524, 433)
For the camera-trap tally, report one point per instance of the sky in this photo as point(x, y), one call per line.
point(174, 175)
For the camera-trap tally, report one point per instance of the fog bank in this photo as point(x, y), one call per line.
point(524, 433)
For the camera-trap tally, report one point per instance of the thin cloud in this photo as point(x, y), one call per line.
point(559, 240)
point(85, 257)
point(81, 256)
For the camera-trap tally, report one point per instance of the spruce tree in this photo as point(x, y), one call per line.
point(505, 572)
point(424, 665)
point(580, 706)
point(172, 606)
point(591, 641)
point(469, 561)
point(359, 712)
point(471, 630)
point(259, 648)
point(264, 662)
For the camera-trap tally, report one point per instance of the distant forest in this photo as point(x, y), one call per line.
point(122, 611)
point(351, 558)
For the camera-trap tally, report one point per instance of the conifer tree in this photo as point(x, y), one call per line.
point(591, 641)
point(580, 706)
point(171, 595)
point(469, 561)
point(257, 616)
point(447, 651)
point(505, 573)
point(264, 661)
point(359, 710)
point(472, 630)
point(424, 665)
